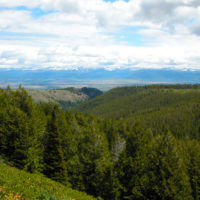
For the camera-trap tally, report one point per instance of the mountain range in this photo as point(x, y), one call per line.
point(100, 78)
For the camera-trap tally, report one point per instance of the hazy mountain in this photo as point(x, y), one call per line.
point(99, 78)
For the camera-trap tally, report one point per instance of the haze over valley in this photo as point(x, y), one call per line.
point(99, 78)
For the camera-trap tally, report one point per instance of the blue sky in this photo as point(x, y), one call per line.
point(67, 34)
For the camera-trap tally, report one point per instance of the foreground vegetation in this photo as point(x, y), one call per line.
point(17, 185)
point(131, 155)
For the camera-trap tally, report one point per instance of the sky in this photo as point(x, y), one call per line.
point(111, 34)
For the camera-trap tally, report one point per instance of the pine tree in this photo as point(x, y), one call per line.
point(94, 158)
point(191, 154)
point(129, 164)
point(110, 189)
point(55, 166)
point(165, 172)
point(152, 168)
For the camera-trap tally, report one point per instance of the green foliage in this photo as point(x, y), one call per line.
point(171, 180)
point(46, 196)
point(32, 186)
point(191, 153)
point(152, 168)
point(148, 148)
point(123, 101)
point(55, 165)
point(91, 92)
point(21, 127)
point(175, 107)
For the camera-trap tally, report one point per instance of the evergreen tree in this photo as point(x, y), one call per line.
point(165, 173)
point(129, 163)
point(14, 133)
point(191, 154)
point(55, 166)
point(37, 131)
point(152, 168)
point(110, 188)
point(94, 158)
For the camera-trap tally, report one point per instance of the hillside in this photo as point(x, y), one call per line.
point(66, 98)
point(32, 186)
point(124, 101)
point(158, 108)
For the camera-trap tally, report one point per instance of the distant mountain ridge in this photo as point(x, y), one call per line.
point(99, 78)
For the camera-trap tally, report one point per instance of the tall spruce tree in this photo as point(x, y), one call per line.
point(165, 175)
point(94, 156)
point(128, 164)
point(191, 154)
point(55, 166)
point(152, 168)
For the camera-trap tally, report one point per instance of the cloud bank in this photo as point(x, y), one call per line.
point(68, 34)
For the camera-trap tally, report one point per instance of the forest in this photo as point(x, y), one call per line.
point(130, 143)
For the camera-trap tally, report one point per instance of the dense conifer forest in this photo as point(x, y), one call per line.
point(133, 143)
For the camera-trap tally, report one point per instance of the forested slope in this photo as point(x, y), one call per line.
point(122, 101)
point(133, 155)
point(158, 107)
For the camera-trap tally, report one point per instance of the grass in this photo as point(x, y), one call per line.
point(18, 185)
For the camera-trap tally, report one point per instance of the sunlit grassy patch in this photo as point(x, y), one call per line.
point(17, 185)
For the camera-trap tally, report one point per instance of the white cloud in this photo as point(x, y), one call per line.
point(88, 33)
